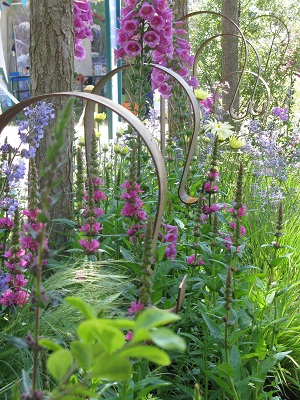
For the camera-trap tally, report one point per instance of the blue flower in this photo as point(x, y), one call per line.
point(3, 282)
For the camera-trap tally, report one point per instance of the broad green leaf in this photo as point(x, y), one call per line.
point(270, 297)
point(108, 335)
point(82, 306)
point(278, 260)
point(59, 363)
point(225, 370)
point(65, 221)
point(112, 367)
point(222, 384)
point(83, 354)
point(119, 323)
point(213, 327)
point(50, 345)
point(153, 354)
point(153, 318)
point(42, 218)
point(235, 361)
point(140, 336)
point(27, 382)
point(168, 340)
point(266, 366)
point(161, 252)
point(19, 343)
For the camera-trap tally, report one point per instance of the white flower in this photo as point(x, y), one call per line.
point(222, 129)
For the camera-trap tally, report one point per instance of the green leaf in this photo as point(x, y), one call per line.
point(151, 353)
point(161, 252)
point(168, 340)
point(222, 384)
point(49, 344)
point(27, 382)
point(19, 343)
point(83, 354)
point(112, 367)
point(108, 335)
point(266, 366)
point(65, 221)
point(235, 361)
point(59, 363)
point(153, 318)
point(82, 306)
point(225, 370)
point(213, 327)
point(278, 260)
point(42, 218)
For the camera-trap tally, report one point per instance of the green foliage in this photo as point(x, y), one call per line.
point(102, 353)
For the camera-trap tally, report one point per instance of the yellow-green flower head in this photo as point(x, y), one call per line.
point(81, 142)
point(105, 147)
point(201, 94)
point(124, 150)
point(117, 148)
point(98, 134)
point(236, 143)
point(222, 129)
point(100, 117)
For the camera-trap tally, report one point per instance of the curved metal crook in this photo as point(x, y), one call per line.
point(183, 195)
point(250, 108)
point(139, 127)
point(193, 14)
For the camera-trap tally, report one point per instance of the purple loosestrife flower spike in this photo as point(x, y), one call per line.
point(238, 207)
point(15, 263)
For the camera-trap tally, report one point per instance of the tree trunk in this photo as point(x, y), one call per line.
point(176, 113)
point(230, 52)
point(52, 70)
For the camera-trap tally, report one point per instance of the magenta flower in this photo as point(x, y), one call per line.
point(6, 223)
point(151, 39)
point(165, 90)
point(209, 188)
point(80, 52)
point(128, 210)
point(243, 230)
point(91, 230)
point(183, 71)
point(171, 251)
point(131, 3)
point(89, 247)
point(136, 307)
point(193, 82)
point(10, 298)
point(191, 260)
point(157, 22)
point(129, 336)
point(132, 48)
point(119, 53)
point(19, 280)
point(130, 27)
point(99, 195)
point(122, 37)
point(242, 211)
point(147, 11)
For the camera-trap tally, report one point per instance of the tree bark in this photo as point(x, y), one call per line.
point(52, 70)
point(230, 59)
point(175, 111)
